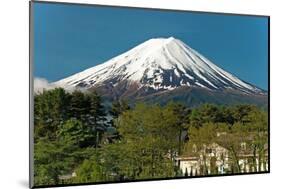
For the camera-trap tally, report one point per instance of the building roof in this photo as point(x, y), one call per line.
point(187, 158)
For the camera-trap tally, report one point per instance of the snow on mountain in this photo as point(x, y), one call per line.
point(159, 64)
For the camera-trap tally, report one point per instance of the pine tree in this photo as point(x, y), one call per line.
point(78, 106)
point(77, 133)
point(180, 114)
point(118, 107)
point(50, 110)
point(97, 116)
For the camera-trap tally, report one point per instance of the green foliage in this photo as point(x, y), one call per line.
point(203, 135)
point(232, 126)
point(118, 107)
point(50, 109)
point(77, 133)
point(178, 117)
point(90, 171)
point(96, 117)
point(64, 129)
point(52, 159)
point(72, 134)
point(149, 135)
point(79, 105)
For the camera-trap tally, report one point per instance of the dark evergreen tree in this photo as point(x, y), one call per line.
point(97, 116)
point(181, 114)
point(50, 110)
point(118, 107)
point(79, 105)
point(75, 132)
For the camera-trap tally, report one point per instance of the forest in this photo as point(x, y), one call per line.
point(79, 139)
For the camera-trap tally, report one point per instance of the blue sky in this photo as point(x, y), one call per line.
point(69, 39)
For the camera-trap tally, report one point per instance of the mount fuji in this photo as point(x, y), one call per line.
point(165, 68)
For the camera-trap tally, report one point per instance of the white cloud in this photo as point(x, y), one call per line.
point(41, 84)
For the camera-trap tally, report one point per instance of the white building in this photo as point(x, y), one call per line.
point(215, 159)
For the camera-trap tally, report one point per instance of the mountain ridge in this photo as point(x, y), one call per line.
point(160, 63)
point(157, 65)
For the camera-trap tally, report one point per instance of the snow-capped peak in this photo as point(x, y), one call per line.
point(161, 64)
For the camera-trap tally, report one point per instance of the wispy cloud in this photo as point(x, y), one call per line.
point(41, 84)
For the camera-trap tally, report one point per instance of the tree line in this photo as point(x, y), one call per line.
point(76, 133)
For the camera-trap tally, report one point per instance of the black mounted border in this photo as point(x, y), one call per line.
point(31, 125)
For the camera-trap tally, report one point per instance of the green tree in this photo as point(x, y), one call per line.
point(77, 133)
point(90, 170)
point(177, 116)
point(53, 159)
point(50, 110)
point(150, 138)
point(118, 107)
point(97, 116)
point(202, 137)
point(79, 106)
point(241, 112)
